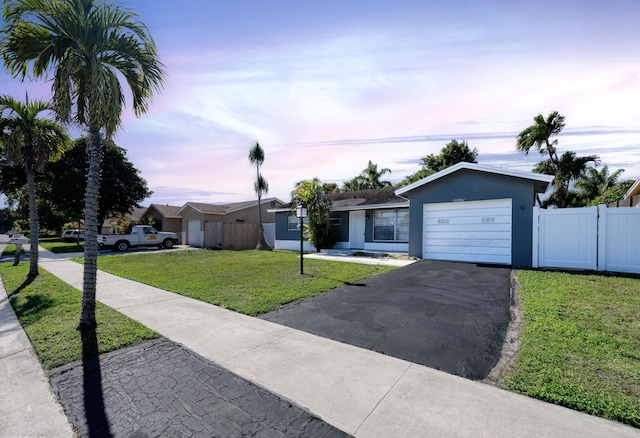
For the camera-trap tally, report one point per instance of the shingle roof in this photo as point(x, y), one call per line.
point(225, 208)
point(166, 210)
point(360, 200)
point(365, 197)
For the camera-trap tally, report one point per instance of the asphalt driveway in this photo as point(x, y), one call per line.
point(445, 315)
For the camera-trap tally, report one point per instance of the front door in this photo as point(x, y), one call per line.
point(357, 221)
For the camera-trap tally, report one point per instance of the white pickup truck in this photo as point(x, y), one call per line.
point(141, 235)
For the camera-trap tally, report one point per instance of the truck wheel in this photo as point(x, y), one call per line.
point(168, 243)
point(122, 245)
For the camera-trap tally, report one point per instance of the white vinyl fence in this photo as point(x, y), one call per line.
point(598, 238)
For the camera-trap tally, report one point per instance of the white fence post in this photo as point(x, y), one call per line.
point(535, 237)
point(602, 237)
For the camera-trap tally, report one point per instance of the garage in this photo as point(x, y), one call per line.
point(474, 213)
point(472, 231)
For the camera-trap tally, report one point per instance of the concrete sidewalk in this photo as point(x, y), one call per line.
point(364, 393)
point(28, 407)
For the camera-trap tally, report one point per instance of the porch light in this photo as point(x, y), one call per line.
point(301, 210)
point(301, 213)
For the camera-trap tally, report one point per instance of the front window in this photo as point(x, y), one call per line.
point(293, 221)
point(391, 225)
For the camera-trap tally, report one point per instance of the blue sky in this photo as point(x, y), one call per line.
point(327, 86)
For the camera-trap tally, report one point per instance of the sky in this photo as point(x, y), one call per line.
point(324, 87)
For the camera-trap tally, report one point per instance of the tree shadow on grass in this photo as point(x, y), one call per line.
point(27, 281)
point(94, 407)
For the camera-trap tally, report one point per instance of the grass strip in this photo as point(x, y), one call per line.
point(49, 310)
point(54, 247)
point(250, 282)
point(580, 343)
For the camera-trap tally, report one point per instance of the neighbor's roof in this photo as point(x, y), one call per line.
point(136, 213)
point(542, 181)
point(222, 209)
point(633, 190)
point(166, 210)
point(359, 200)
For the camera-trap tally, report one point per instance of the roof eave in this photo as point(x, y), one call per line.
point(538, 177)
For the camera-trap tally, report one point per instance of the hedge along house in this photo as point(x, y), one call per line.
point(372, 220)
point(474, 213)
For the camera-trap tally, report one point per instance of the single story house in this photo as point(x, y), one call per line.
point(474, 213)
point(467, 212)
point(202, 223)
point(115, 225)
point(165, 218)
point(632, 197)
point(374, 220)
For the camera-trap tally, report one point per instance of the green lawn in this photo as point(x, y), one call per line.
point(49, 310)
point(56, 247)
point(580, 343)
point(250, 282)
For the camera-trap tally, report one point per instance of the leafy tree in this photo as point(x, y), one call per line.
point(88, 46)
point(60, 191)
point(594, 185)
point(452, 153)
point(330, 188)
point(368, 179)
point(319, 231)
point(260, 185)
point(121, 190)
point(6, 219)
point(32, 140)
point(617, 191)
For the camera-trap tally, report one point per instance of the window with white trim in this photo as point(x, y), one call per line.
point(391, 225)
point(293, 221)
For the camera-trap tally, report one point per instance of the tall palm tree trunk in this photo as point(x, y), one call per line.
point(33, 210)
point(262, 243)
point(88, 317)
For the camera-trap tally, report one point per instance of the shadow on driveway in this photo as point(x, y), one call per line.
point(445, 315)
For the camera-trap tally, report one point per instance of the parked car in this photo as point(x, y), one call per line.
point(141, 235)
point(72, 235)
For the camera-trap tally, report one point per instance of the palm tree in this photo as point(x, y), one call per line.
point(594, 184)
point(538, 135)
point(88, 46)
point(260, 185)
point(568, 168)
point(33, 141)
point(369, 178)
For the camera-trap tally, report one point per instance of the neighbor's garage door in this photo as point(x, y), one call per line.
point(474, 231)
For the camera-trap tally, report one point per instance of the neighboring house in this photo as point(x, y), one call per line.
point(164, 218)
point(230, 226)
point(375, 220)
point(632, 197)
point(114, 225)
point(474, 213)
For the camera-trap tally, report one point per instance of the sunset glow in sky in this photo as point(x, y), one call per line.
point(327, 86)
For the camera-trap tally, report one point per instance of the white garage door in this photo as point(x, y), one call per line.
point(195, 235)
point(474, 231)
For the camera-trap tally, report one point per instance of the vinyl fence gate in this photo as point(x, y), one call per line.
point(598, 238)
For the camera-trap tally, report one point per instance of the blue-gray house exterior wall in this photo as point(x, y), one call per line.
point(283, 232)
point(470, 185)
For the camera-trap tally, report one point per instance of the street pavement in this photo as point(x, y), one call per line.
point(358, 391)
